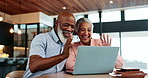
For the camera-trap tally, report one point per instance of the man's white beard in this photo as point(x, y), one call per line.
point(60, 34)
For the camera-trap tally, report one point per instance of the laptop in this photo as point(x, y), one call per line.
point(95, 60)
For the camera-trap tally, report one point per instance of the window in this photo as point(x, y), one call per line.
point(15, 28)
point(136, 14)
point(109, 16)
point(28, 27)
point(94, 17)
point(79, 16)
point(96, 36)
point(31, 32)
point(22, 26)
point(134, 49)
point(115, 39)
point(114, 36)
point(19, 39)
point(44, 28)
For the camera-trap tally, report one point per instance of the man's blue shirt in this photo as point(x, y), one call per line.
point(45, 45)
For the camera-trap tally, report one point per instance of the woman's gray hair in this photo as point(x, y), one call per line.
point(82, 20)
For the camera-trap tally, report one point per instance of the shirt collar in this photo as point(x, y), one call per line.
point(55, 37)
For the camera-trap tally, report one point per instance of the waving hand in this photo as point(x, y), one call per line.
point(106, 41)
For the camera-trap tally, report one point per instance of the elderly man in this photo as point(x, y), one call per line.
point(49, 51)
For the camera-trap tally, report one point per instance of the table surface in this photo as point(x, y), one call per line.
point(65, 75)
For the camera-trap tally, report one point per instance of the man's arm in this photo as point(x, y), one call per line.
point(37, 63)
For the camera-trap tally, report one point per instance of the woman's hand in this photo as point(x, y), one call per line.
point(106, 41)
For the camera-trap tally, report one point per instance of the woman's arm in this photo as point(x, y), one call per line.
point(119, 62)
point(71, 59)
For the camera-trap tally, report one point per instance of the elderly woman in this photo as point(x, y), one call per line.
point(84, 29)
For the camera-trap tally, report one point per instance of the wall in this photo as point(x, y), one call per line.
point(139, 25)
point(28, 18)
point(6, 17)
point(6, 38)
point(45, 19)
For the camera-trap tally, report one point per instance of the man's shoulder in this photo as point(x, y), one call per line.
point(43, 35)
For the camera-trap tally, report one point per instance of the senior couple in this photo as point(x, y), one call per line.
point(50, 52)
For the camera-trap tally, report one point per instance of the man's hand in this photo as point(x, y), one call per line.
point(36, 62)
point(67, 46)
point(105, 40)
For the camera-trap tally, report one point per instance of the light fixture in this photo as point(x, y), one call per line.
point(11, 30)
point(111, 2)
point(20, 11)
point(1, 46)
point(1, 18)
point(19, 31)
point(64, 7)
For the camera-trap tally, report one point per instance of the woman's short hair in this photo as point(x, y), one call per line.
point(82, 20)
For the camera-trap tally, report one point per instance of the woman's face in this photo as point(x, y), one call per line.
point(85, 32)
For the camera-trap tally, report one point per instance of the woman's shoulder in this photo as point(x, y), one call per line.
point(74, 47)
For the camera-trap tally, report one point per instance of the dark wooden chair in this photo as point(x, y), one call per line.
point(15, 74)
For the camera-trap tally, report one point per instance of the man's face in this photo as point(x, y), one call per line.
point(65, 27)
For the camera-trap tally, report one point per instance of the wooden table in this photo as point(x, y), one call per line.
point(65, 75)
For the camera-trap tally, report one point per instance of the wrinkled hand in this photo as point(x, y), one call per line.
point(105, 40)
point(67, 46)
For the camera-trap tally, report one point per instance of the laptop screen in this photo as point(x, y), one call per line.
point(95, 59)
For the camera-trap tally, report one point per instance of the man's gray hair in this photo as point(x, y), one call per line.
point(82, 20)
